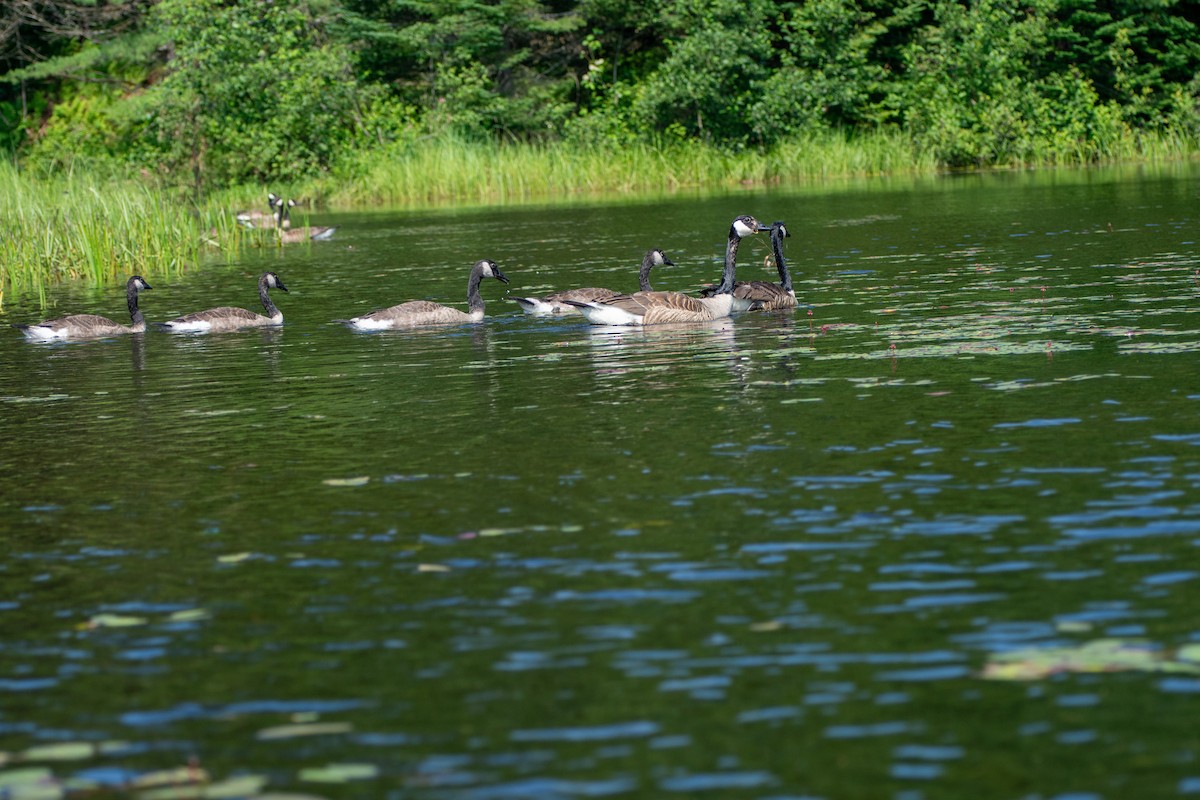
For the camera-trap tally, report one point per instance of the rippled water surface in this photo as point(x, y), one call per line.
point(933, 535)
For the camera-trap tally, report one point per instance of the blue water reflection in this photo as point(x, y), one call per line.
point(932, 535)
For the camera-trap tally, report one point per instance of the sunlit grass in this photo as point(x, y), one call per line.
point(438, 169)
point(84, 225)
point(81, 226)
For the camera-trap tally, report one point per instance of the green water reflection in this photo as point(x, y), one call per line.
point(770, 557)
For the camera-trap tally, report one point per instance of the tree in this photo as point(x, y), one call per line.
point(705, 85)
point(477, 68)
point(826, 76)
point(256, 91)
point(44, 43)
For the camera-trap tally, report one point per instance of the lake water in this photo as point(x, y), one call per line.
point(932, 535)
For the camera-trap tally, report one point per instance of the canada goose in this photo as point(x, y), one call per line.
point(764, 295)
point(316, 233)
point(90, 326)
point(557, 303)
point(263, 219)
point(649, 308)
point(415, 313)
point(228, 318)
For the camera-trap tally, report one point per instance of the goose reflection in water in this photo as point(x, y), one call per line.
point(620, 350)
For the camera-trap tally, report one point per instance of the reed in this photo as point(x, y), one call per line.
point(91, 226)
point(80, 226)
point(444, 168)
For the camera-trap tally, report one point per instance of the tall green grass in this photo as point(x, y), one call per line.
point(436, 169)
point(446, 168)
point(89, 226)
point(81, 226)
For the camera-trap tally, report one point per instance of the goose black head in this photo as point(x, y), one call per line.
point(746, 225)
point(490, 270)
point(274, 282)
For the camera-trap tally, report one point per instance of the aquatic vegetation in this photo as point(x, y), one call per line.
point(1100, 655)
point(448, 167)
point(537, 559)
point(87, 226)
point(110, 620)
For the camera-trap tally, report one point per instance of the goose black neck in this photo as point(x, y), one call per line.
point(131, 300)
point(785, 277)
point(731, 250)
point(265, 296)
point(474, 298)
point(644, 273)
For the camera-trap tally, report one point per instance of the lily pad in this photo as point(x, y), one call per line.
point(1100, 655)
point(60, 751)
point(114, 621)
point(241, 786)
point(180, 776)
point(360, 481)
point(33, 783)
point(1189, 653)
point(498, 531)
point(303, 729)
point(339, 773)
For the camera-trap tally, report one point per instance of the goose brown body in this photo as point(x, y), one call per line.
point(290, 235)
point(561, 302)
point(652, 308)
point(661, 307)
point(231, 318)
point(417, 313)
point(255, 218)
point(91, 326)
point(765, 295)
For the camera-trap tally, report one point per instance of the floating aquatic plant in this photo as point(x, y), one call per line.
point(1100, 655)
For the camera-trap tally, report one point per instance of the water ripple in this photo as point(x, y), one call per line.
point(596, 733)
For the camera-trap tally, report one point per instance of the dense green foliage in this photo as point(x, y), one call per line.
point(210, 93)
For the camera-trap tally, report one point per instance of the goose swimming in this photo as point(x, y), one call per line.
point(649, 308)
point(90, 326)
point(290, 235)
point(764, 295)
point(557, 303)
point(255, 218)
point(416, 313)
point(230, 318)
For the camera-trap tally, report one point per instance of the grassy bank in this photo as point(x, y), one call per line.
point(88, 226)
point(432, 170)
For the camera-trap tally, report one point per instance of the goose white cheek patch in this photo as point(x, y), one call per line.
point(742, 228)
